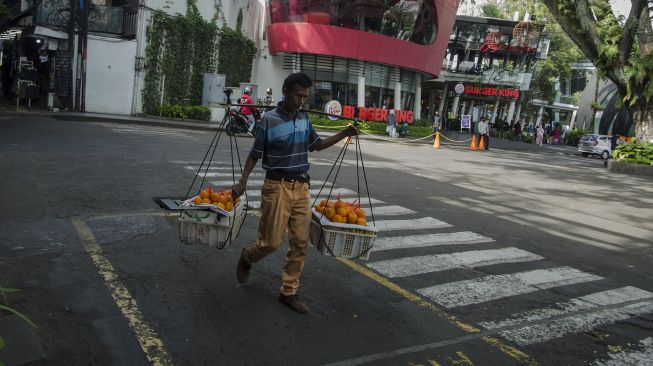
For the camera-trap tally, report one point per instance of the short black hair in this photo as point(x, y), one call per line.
point(297, 78)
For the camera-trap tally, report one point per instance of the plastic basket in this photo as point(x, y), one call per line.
point(196, 227)
point(342, 240)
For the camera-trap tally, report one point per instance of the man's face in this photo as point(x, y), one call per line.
point(296, 96)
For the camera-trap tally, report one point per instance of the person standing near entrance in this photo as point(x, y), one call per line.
point(437, 123)
point(517, 131)
point(391, 123)
point(540, 135)
point(283, 141)
point(484, 132)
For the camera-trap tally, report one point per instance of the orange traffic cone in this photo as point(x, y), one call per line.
point(436, 143)
point(481, 143)
point(473, 145)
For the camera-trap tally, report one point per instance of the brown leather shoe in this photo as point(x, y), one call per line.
point(294, 303)
point(242, 270)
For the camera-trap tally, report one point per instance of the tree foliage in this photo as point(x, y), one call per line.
point(236, 53)
point(181, 49)
point(621, 49)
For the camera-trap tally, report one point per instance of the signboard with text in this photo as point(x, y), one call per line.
point(465, 121)
point(489, 91)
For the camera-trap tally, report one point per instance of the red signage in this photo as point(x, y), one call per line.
point(492, 45)
point(377, 114)
point(492, 91)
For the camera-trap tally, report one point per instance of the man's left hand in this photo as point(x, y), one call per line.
point(351, 130)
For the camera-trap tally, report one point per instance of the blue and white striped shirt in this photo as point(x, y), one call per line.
point(284, 142)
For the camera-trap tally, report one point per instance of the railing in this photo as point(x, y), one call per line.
point(129, 21)
point(56, 13)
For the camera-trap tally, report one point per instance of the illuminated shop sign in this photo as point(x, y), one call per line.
point(487, 91)
point(377, 114)
point(493, 44)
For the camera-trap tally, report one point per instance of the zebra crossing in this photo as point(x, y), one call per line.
point(462, 257)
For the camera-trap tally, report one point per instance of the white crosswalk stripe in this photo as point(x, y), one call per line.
point(415, 224)
point(496, 287)
point(576, 315)
point(557, 328)
point(427, 240)
point(251, 183)
point(410, 266)
point(641, 357)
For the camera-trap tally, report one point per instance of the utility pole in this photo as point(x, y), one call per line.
point(71, 53)
point(84, 20)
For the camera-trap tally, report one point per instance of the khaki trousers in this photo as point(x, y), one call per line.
point(284, 206)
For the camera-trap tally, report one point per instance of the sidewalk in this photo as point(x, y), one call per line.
point(495, 143)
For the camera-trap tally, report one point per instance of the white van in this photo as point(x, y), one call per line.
point(595, 145)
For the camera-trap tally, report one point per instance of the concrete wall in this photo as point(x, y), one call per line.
point(205, 7)
point(267, 72)
point(110, 75)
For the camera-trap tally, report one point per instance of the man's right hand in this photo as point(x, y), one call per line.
point(238, 189)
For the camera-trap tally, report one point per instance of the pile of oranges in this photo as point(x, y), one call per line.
point(342, 212)
point(221, 199)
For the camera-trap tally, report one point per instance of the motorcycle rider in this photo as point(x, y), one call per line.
point(269, 99)
point(248, 111)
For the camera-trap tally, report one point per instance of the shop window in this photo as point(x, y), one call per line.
point(409, 20)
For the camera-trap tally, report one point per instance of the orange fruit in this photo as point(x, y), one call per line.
point(206, 200)
point(229, 206)
point(319, 208)
point(336, 218)
point(361, 221)
point(224, 199)
point(215, 197)
point(342, 211)
point(329, 213)
point(221, 205)
point(205, 194)
point(352, 218)
point(197, 200)
point(340, 204)
point(360, 212)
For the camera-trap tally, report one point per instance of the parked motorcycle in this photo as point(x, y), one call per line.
point(237, 122)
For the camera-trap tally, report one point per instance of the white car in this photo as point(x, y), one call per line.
point(595, 145)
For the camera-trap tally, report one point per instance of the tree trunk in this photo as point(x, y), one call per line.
point(643, 119)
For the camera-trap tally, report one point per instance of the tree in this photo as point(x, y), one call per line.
point(492, 10)
point(621, 49)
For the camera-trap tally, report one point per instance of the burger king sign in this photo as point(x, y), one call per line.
point(333, 107)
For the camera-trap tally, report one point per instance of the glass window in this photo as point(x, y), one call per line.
point(409, 20)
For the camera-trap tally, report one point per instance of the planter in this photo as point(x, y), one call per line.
point(629, 168)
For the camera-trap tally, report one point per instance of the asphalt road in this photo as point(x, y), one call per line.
point(484, 258)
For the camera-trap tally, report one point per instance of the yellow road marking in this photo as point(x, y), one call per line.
point(146, 336)
point(492, 341)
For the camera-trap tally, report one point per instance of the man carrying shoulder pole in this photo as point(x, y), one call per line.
point(283, 141)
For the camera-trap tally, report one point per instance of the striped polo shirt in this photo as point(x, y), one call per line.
point(284, 142)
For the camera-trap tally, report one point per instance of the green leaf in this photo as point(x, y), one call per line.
point(6, 290)
point(19, 314)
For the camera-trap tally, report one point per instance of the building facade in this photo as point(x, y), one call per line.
point(368, 53)
point(488, 66)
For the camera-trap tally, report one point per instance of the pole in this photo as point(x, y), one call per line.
point(84, 21)
point(71, 54)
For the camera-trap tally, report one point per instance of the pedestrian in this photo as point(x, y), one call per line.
point(540, 135)
point(248, 111)
point(437, 126)
point(484, 132)
point(391, 123)
point(517, 131)
point(284, 138)
point(556, 135)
